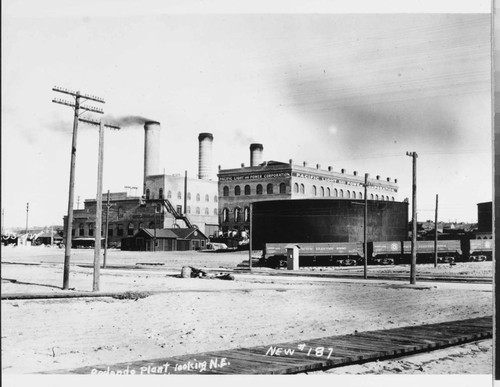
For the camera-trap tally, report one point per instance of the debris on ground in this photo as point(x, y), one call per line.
point(193, 272)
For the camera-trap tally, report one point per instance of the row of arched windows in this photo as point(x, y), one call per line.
point(239, 214)
point(179, 195)
point(259, 189)
point(198, 210)
point(322, 192)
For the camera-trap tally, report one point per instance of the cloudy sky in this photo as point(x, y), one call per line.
point(355, 91)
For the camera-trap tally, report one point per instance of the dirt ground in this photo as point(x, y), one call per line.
point(196, 315)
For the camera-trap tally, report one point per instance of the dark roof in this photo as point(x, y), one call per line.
point(172, 233)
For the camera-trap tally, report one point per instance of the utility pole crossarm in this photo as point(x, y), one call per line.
point(93, 122)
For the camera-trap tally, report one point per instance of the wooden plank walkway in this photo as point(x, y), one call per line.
point(309, 354)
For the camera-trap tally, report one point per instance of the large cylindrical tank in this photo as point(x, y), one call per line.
point(205, 156)
point(152, 131)
point(256, 154)
point(327, 220)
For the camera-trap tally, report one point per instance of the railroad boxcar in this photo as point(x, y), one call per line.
point(316, 254)
point(448, 251)
point(480, 250)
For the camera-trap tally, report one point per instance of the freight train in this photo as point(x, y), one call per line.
point(379, 253)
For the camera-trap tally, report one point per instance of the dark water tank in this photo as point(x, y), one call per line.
point(327, 220)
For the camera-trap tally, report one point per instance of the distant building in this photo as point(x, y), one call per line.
point(174, 239)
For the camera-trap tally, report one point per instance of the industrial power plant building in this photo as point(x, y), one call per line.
point(169, 201)
point(272, 180)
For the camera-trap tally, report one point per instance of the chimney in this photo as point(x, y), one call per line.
point(256, 154)
point(152, 131)
point(205, 156)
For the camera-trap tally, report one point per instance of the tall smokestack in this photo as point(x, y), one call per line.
point(151, 149)
point(205, 156)
point(256, 154)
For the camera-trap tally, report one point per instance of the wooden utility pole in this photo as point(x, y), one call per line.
point(106, 226)
point(69, 220)
point(98, 215)
point(365, 230)
point(185, 191)
point(27, 211)
point(413, 266)
point(436, 233)
point(250, 240)
point(98, 211)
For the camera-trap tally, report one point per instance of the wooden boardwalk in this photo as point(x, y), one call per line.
point(309, 354)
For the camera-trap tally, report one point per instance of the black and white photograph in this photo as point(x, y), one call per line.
point(234, 188)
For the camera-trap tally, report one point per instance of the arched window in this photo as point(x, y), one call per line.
point(296, 188)
point(147, 194)
point(160, 193)
point(348, 194)
point(259, 189)
point(371, 196)
point(198, 198)
point(225, 215)
point(322, 191)
point(247, 190)
point(269, 189)
point(91, 229)
point(207, 198)
point(246, 214)
point(360, 195)
point(225, 191)
point(169, 194)
point(382, 197)
point(302, 189)
point(130, 229)
point(179, 195)
point(198, 210)
point(237, 191)
point(189, 195)
point(314, 190)
point(237, 212)
point(215, 211)
point(215, 198)
point(376, 197)
point(282, 188)
point(336, 193)
point(341, 193)
point(188, 209)
point(328, 192)
point(207, 212)
point(120, 212)
point(353, 195)
point(392, 198)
